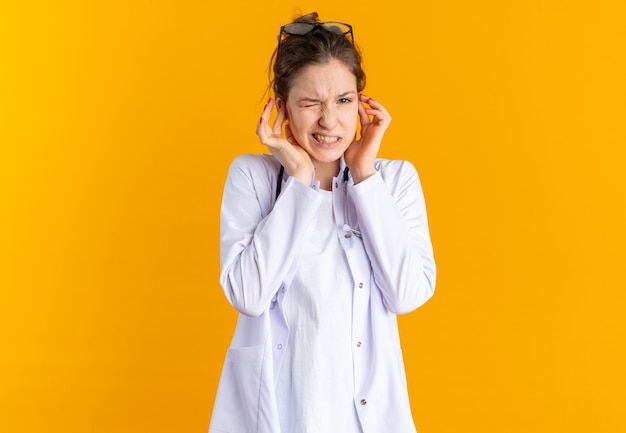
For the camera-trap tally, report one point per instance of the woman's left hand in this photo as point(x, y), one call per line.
point(361, 154)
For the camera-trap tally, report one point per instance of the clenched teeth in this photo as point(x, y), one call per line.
point(325, 139)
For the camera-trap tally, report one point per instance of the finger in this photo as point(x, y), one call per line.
point(378, 115)
point(263, 122)
point(267, 110)
point(366, 99)
point(381, 110)
point(363, 116)
point(373, 103)
point(277, 128)
point(377, 110)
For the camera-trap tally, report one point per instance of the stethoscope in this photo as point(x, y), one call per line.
point(346, 174)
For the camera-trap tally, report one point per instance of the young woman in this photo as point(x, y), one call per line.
point(322, 245)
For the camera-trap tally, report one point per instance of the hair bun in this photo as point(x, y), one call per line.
point(313, 18)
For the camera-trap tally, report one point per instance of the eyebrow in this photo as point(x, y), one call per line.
point(341, 95)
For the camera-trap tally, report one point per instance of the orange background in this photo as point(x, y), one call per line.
point(118, 122)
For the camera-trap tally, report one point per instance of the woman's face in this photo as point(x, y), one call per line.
point(322, 109)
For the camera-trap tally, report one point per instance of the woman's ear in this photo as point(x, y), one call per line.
point(281, 104)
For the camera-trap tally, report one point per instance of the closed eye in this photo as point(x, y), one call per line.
point(310, 104)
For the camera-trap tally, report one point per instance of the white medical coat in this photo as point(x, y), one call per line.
point(392, 266)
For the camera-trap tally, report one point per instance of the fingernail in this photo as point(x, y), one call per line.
point(265, 107)
point(268, 101)
point(261, 120)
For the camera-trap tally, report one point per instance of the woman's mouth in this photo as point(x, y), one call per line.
point(325, 139)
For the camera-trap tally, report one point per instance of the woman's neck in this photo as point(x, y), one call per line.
point(325, 172)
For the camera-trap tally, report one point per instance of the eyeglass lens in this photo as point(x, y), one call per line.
point(300, 29)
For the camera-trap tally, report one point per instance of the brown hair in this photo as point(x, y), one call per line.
point(315, 48)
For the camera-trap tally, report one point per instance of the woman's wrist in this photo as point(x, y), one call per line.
point(359, 175)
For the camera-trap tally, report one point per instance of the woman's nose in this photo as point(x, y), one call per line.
point(328, 118)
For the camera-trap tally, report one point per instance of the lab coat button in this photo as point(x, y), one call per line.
point(360, 285)
point(363, 402)
point(279, 347)
point(358, 344)
point(347, 235)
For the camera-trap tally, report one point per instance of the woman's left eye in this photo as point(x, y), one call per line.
point(344, 100)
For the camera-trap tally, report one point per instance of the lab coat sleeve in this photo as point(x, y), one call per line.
point(392, 217)
point(259, 240)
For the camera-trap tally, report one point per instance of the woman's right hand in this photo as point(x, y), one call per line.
point(286, 150)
